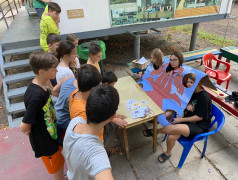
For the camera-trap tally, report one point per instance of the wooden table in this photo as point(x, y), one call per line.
point(230, 53)
point(129, 89)
point(226, 105)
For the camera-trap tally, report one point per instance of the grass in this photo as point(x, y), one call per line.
point(209, 37)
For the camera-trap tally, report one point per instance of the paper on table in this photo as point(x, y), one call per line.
point(140, 112)
point(142, 61)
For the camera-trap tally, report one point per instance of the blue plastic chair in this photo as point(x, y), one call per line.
point(188, 143)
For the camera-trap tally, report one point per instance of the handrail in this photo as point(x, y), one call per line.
point(6, 4)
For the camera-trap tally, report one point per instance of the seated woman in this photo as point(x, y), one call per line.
point(176, 61)
point(156, 60)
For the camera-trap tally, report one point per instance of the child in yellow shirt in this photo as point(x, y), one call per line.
point(95, 55)
point(49, 23)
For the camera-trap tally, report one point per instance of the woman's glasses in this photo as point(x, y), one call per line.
point(173, 60)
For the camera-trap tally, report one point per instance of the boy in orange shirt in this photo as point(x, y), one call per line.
point(88, 78)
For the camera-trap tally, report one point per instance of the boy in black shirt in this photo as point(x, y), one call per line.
point(39, 121)
point(196, 120)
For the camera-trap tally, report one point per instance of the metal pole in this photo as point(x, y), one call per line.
point(194, 36)
point(137, 47)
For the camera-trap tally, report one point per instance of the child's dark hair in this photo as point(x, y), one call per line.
point(54, 7)
point(65, 47)
point(102, 103)
point(42, 60)
point(94, 49)
point(109, 77)
point(88, 77)
point(52, 38)
point(180, 57)
point(71, 37)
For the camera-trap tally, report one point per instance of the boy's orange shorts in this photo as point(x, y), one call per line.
point(55, 162)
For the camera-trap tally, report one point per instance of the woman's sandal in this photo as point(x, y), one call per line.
point(147, 132)
point(164, 157)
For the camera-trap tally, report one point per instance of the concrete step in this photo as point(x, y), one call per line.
point(16, 122)
point(19, 77)
point(17, 107)
point(20, 50)
point(16, 64)
point(20, 107)
point(12, 93)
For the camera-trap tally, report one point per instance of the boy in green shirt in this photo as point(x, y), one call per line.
point(49, 23)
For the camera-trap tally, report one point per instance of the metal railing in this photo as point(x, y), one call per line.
point(6, 7)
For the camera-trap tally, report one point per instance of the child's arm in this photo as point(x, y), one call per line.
point(119, 120)
point(56, 89)
point(104, 175)
point(187, 119)
point(25, 128)
point(190, 107)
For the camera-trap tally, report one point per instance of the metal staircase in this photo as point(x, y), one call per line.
point(13, 101)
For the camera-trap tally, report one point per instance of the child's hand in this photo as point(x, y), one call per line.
point(58, 20)
point(119, 120)
point(190, 107)
point(177, 120)
point(25, 128)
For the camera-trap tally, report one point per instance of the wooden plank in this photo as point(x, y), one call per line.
point(226, 105)
point(12, 93)
point(21, 50)
point(230, 53)
point(198, 55)
point(126, 143)
point(17, 107)
point(19, 77)
point(16, 122)
point(155, 123)
point(16, 64)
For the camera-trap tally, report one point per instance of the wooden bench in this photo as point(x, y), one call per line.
point(188, 56)
point(198, 54)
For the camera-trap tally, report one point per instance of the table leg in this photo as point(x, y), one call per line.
point(126, 143)
point(228, 60)
point(155, 133)
point(218, 63)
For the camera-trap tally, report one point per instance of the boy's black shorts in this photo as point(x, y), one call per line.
point(194, 130)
